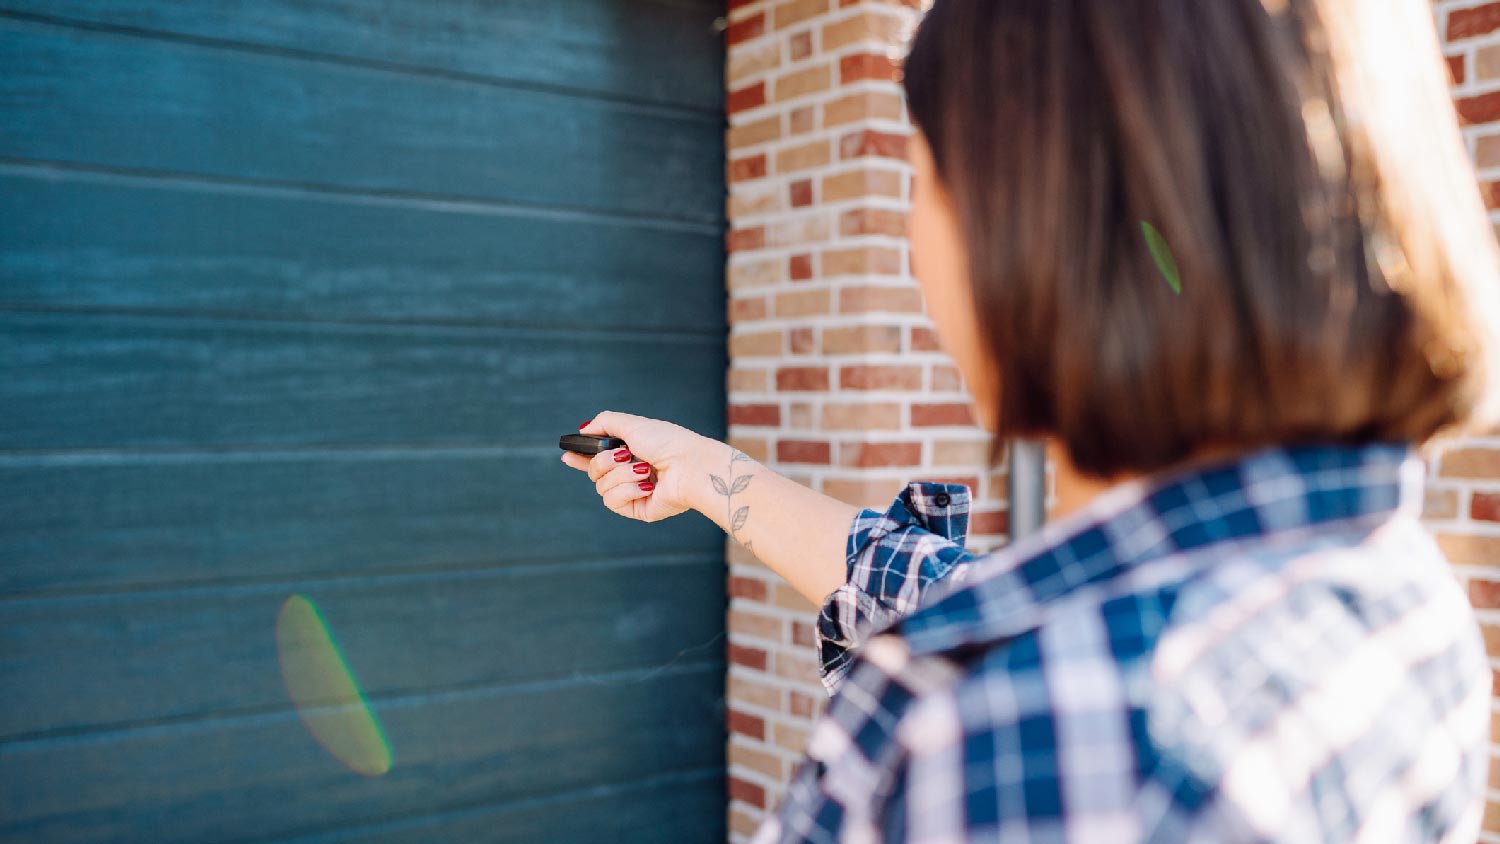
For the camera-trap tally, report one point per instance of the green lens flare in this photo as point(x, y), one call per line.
point(324, 690)
point(1162, 255)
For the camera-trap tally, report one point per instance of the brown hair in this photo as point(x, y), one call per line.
point(1301, 160)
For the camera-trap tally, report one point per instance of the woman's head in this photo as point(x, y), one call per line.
point(1300, 159)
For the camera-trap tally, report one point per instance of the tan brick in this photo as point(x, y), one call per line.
point(1487, 154)
point(796, 11)
point(801, 378)
point(804, 228)
point(801, 704)
point(801, 420)
point(756, 344)
point(802, 633)
point(748, 167)
point(803, 303)
point(789, 737)
point(804, 156)
point(740, 379)
point(802, 341)
point(742, 822)
point(795, 666)
point(749, 60)
point(1484, 507)
point(1470, 550)
point(1475, 462)
point(862, 260)
point(748, 690)
point(743, 622)
point(802, 120)
point(946, 378)
point(863, 182)
point(742, 754)
point(874, 455)
point(886, 221)
point(872, 142)
point(746, 238)
point(865, 105)
point(959, 452)
point(753, 198)
point(800, 83)
point(871, 300)
point(746, 308)
point(786, 597)
point(756, 447)
point(880, 377)
point(861, 416)
point(925, 340)
point(876, 493)
point(742, 274)
point(800, 46)
point(882, 28)
point(754, 132)
point(859, 339)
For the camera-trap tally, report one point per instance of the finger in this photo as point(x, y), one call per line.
point(607, 461)
point(619, 498)
point(625, 473)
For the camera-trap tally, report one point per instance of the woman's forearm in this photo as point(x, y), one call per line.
point(798, 533)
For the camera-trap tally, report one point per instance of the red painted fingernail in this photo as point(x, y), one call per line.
point(621, 455)
point(584, 425)
point(646, 485)
point(641, 468)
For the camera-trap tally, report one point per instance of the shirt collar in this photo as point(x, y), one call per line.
point(1177, 514)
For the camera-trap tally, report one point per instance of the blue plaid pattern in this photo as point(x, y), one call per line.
point(1267, 648)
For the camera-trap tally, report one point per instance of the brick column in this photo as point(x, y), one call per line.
point(1463, 493)
point(835, 378)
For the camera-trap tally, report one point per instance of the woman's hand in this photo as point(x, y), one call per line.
point(659, 454)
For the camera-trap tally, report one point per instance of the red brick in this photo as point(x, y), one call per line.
point(747, 656)
point(802, 634)
point(801, 193)
point(743, 239)
point(1483, 108)
point(803, 451)
point(749, 167)
point(1467, 23)
point(867, 66)
point(1485, 507)
point(744, 309)
point(925, 340)
point(989, 522)
point(877, 377)
point(873, 455)
point(800, 120)
point(745, 29)
point(794, 378)
point(1484, 594)
point(755, 414)
point(871, 142)
point(747, 97)
point(746, 724)
point(1456, 69)
point(800, 268)
point(946, 413)
point(747, 587)
point(746, 791)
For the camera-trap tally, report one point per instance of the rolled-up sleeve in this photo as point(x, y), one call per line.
point(892, 560)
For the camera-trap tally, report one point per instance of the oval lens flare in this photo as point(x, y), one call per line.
point(324, 690)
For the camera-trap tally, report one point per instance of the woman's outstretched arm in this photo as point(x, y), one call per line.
point(799, 533)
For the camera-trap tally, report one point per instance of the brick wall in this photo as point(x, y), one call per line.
point(1463, 493)
point(836, 378)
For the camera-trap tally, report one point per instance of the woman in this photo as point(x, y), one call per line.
point(1228, 258)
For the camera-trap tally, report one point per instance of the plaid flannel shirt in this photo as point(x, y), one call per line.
point(1269, 648)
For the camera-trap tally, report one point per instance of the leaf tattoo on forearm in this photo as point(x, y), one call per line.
point(727, 489)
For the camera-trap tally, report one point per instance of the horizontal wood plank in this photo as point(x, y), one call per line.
point(103, 99)
point(70, 381)
point(219, 780)
point(81, 663)
point(88, 524)
point(666, 52)
point(71, 240)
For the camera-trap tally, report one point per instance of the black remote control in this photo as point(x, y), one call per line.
point(588, 444)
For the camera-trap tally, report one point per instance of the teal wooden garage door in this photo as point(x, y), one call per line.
point(296, 297)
